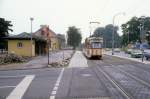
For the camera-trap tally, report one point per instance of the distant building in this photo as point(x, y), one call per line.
point(49, 35)
point(41, 39)
point(21, 45)
point(61, 40)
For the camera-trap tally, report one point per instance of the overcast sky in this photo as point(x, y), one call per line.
point(60, 14)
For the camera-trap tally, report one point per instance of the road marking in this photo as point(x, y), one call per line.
point(12, 76)
point(55, 88)
point(7, 86)
point(21, 88)
point(52, 97)
point(86, 75)
point(53, 93)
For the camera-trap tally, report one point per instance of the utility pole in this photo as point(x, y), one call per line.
point(113, 31)
point(48, 52)
point(31, 19)
point(142, 39)
point(48, 42)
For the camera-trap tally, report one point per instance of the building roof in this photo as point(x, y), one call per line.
point(45, 32)
point(24, 36)
point(61, 36)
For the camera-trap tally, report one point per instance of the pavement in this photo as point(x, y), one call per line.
point(110, 78)
point(78, 60)
point(40, 61)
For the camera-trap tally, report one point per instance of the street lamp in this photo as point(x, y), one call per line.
point(113, 32)
point(142, 21)
point(31, 19)
point(93, 22)
point(49, 45)
point(142, 35)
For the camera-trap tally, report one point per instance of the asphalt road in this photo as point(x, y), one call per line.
point(110, 78)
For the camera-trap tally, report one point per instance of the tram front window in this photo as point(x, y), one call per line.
point(96, 45)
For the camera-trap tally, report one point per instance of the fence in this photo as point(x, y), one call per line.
point(3, 51)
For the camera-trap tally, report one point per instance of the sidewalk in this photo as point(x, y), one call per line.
point(127, 56)
point(78, 60)
point(39, 61)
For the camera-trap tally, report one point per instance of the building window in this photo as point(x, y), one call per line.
point(20, 45)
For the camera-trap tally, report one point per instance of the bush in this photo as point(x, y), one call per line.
point(11, 58)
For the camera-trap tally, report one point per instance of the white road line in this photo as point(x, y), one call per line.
point(53, 93)
point(21, 88)
point(7, 86)
point(12, 76)
point(55, 88)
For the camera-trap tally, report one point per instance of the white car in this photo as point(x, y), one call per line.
point(128, 51)
point(136, 53)
point(117, 50)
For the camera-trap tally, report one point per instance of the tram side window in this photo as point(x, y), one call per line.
point(96, 45)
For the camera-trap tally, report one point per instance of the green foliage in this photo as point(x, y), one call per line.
point(148, 37)
point(74, 37)
point(106, 33)
point(4, 32)
point(131, 30)
point(5, 27)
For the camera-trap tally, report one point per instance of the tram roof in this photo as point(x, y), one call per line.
point(94, 39)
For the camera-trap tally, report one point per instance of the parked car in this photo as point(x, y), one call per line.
point(128, 51)
point(117, 50)
point(147, 54)
point(146, 49)
point(136, 53)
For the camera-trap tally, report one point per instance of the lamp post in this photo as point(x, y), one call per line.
point(31, 19)
point(113, 32)
point(141, 27)
point(49, 45)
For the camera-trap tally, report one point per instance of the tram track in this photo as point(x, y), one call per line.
point(119, 88)
point(122, 88)
point(134, 77)
point(126, 69)
point(124, 93)
point(142, 66)
point(131, 72)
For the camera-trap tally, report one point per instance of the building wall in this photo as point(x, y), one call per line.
point(25, 50)
point(55, 44)
point(48, 34)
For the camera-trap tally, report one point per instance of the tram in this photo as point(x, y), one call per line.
point(93, 47)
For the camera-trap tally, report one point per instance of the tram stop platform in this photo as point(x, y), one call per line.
point(78, 60)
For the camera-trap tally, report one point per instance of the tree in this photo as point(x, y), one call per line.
point(131, 30)
point(5, 27)
point(106, 33)
point(74, 37)
point(4, 32)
